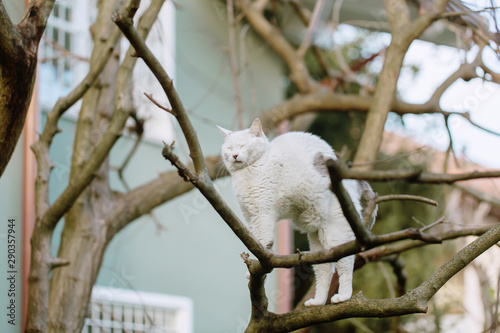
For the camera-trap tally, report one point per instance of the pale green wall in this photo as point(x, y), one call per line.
point(11, 191)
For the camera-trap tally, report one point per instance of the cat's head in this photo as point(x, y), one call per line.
point(242, 148)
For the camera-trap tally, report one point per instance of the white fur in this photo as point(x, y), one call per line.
point(280, 180)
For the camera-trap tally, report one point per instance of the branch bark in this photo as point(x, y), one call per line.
point(18, 59)
point(413, 176)
point(403, 33)
point(325, 101)
point(414, 301)
point(201, 178)
point(299, 74)
point(48, 216)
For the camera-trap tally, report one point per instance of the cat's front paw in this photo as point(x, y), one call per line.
point(340, 298)
point(314, 302)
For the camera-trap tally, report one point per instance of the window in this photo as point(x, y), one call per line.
point(119, 310)
point(161, 41)
point(65, 50)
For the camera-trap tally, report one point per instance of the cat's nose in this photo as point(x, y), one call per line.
point(235, 156)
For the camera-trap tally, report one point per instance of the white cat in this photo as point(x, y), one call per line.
point(288, 179)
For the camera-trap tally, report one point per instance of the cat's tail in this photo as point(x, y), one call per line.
point(366, 199)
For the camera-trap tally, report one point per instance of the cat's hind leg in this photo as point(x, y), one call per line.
point(323, 273)
point(344, 268)
point(331, 236)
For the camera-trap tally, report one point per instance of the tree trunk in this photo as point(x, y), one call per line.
point(85, 234)
point(17, 79)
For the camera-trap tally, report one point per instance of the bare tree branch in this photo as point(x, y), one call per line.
point(48, 217)
point(145, 198)
point(41, 148)
point(299, 74)
point(406, 197)
point(324, 101)
point(301, 12)
point(403, 34)
point(415, 301)
point(167, 85)
point(306, 42)
point(200, 178)
point(414, 176)
point(18, 59)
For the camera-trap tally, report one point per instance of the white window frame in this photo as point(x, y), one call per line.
point(107, 302)
point(78, 28)
point(159, 125)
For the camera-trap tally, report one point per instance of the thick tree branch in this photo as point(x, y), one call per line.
point(201, 178)
point(145, 198)
point(325, 101)
point(102, 53)
point(414, 301)
point(18, 58)
point(167, 84)
point(35, 19)
point(403, 34)
point(299, 74)
point(49, 216)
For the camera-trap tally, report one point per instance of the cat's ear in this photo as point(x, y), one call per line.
point(256, 128)
point(224, 131)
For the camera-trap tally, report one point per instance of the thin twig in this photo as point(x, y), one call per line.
point(392, 158)
point(166, 82)
point(387, 278)
point(316, 51)
point(201, 177)
point(406, 197)
point(150, 97)
point(306, 42)
point(433, 224)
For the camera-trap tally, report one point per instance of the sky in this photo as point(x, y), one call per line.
point(481, 99)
